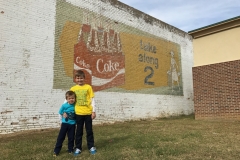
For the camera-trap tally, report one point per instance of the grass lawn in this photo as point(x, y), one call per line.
point(177, 138)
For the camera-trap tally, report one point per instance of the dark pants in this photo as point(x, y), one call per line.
point(68, 129)
point(81, 120)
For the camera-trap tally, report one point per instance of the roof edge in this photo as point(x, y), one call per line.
point(214, 25)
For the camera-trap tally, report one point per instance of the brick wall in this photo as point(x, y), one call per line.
point(37, 51)
point(217, 91)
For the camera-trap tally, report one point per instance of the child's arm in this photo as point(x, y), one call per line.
point(93, 109)
point(64, 114)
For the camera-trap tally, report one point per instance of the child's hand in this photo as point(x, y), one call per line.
point(93, 115)
point(65, 115)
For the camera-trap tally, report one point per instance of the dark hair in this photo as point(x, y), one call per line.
point(70, 93)
point(79, 73)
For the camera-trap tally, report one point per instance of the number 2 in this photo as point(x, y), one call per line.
point(146, 80)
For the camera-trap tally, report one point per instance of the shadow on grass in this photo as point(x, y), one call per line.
point(110, 142)
point(191, 116)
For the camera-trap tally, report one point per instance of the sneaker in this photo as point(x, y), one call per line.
point(55, 154)
point(93, 150)
point(70, 152)
point(77, 152)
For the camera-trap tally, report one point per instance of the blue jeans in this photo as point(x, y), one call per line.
point(81, 120)
point(69, 130)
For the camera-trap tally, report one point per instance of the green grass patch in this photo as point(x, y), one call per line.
point(173, 138)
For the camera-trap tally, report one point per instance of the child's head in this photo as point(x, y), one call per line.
point(70, 97)
point(79, 77)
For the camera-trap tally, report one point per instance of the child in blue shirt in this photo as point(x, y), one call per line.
point(68, 124)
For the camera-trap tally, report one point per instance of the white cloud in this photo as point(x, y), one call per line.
point(188, 14)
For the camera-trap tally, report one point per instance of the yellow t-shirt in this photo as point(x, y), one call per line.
point(83, 101)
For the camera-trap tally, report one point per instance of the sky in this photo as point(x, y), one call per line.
point(188, 15)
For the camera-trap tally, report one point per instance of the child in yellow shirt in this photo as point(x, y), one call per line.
point(84, 111)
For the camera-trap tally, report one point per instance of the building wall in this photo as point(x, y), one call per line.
point(217, 91)
point(139, 67)
point(218, 47)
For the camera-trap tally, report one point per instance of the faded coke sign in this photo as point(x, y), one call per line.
point(99, 54)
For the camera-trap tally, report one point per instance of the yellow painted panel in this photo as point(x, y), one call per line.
point(147, 61)
point(67, 40)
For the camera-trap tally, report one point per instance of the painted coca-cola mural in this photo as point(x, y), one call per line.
point(114, 56)
point(99, 53)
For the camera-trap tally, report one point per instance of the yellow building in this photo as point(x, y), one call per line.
point(216, 71)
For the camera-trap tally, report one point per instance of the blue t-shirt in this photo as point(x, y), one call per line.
point(69, 109)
